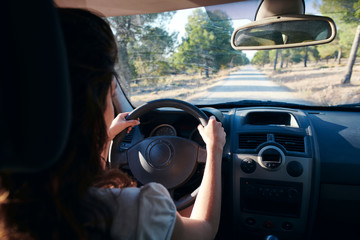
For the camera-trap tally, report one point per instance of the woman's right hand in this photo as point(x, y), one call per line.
point(213, 134)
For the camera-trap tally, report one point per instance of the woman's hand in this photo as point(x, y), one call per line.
point(205, 216)
point(120, 123)
point(213, 134)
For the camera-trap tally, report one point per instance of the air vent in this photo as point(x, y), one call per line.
point(291, 142)
point(251, 141)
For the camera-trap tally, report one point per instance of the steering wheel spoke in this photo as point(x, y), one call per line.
point(120, 160)
point(201, 158)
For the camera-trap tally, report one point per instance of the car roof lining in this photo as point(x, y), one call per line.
point(125, 7)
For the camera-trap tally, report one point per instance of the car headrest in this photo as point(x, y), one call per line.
point(35, 88)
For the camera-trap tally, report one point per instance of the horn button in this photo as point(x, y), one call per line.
point(159, 154)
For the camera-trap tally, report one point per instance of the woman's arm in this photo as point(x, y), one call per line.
point(205, 217)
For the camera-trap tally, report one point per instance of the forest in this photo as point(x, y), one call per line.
point(148, 52)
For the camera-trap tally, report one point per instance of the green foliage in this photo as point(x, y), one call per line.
point(238, 58)
point(328, 50)
point(195, 50)
point(341, 10)
point(261, 58)
point(150, 52)
point(206, 46)
point(347, 34)
point(285, 53)
point(296, 58)
point(346, 14)
point(314, 53)
point(272, 55)
point(143, 44)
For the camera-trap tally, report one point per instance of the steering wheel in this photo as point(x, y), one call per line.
point(169, 160)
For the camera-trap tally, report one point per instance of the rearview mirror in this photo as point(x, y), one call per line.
point(284, 32)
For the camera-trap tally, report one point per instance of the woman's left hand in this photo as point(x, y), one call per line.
point(120, 123)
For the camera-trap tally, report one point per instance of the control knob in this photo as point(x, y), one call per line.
point(248, 165)
point(294, 169)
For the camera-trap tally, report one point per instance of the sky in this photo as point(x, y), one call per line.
point(179, 20)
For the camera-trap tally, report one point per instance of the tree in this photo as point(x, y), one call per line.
point(261, 58)
point(150, 53)
point(306, 55)
point(276, 58)
point(274, 54)
point(206, 45)
point(285, 57)
point(310, 53)
point(129, 34)
point(327, 51)
point(352, 57)
point(221, 26)
point(195, 50)
point(296, 56)
point(345, 12)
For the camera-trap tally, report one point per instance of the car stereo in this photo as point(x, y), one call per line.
point(270, 197)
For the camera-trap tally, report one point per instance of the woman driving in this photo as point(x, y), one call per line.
point(79, 198)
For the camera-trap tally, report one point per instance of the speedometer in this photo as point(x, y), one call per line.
point(163, 130)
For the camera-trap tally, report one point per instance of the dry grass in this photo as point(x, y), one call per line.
point(181, 87)
point(319, 83)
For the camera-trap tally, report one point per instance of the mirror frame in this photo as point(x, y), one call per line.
point(285, 18)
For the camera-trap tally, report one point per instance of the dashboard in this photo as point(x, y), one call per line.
point(288, 173)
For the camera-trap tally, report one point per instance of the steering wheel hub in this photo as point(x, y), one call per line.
point(159, 154)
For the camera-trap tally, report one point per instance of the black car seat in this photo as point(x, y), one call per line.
point(35, 88)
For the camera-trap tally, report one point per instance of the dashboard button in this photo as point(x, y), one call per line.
point(250, 221)
point(294, 169)
point(292, 193)
point(248, 165)
point(268, 224)
point(288, 226)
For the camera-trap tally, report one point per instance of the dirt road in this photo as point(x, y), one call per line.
point(246, 84)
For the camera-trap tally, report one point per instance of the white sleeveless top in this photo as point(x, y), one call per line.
point(139, 213)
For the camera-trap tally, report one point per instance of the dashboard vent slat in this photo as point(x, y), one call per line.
point(291, 143)
point(251, 141)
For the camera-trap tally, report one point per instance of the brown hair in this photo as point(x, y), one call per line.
point(54, 204)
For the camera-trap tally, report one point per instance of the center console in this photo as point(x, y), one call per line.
point(273, 171)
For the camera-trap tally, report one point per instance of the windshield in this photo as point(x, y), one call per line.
point(187, 55)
